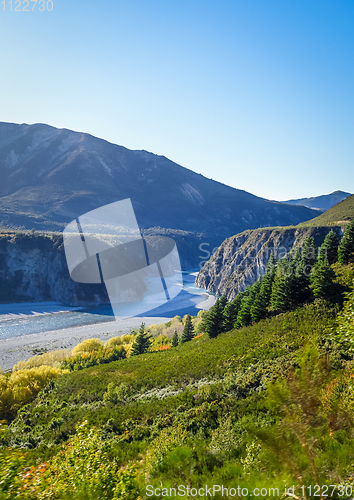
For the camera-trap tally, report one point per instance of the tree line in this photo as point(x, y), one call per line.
point(300, 277)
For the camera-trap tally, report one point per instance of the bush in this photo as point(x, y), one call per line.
point(53, 358)
point(89, 345)
point(22, 387)
point(82, 466)
point(99, 357)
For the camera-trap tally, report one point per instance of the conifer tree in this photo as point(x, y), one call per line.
point(346, 247)
point(231, 311)
point(261, 302)
point(244, 316)
point(142, 342)
point(285, 286)
point(309, 255)
point(175, 339)
point(223, 302)
point(215, 319)
point(188, 331)
point(322, 278)
point(329, 248)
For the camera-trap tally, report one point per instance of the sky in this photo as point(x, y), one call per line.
point(257, 94)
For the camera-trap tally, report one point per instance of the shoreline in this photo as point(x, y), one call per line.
point(15, 349)
point(22, 347)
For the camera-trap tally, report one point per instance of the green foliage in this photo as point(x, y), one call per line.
point(167, 440)
point(346, 247)
point(142, 342)
point(285, 289)
point(344, 334)
point(259, 308)
point(83, 464)
point(116, 394)
point(93, 358)
point(308, 255)
point(21, 387)
point(214, 322)
point(310, 421)
point(230, 312)
point(244, 317)
point(89, 345)
point(329, 248)
point(12, 462)
point(175, 339)
point(322, 280)
point(188, 331)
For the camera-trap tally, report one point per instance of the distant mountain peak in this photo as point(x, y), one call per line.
point(323, 202)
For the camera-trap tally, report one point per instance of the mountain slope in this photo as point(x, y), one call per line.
point(340, 214)
point(50, 176)
point(324, 202)
point(242, 259)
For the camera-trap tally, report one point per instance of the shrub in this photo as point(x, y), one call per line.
point(53, 358)
point(344, 335)
point(82, 465)
point(88, 359)
point(22, 387)
point(88, 345)
point(113, 342)
point(167, 440)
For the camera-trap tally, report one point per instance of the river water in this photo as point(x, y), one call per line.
point(23, 319)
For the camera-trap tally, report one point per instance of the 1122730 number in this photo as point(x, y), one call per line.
point(27, 5)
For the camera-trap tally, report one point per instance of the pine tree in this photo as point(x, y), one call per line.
point(231, 311)
point(244, 317)
point(188, 331)
point(346, 247)
point(322, 278)
point(142, 342)
point(175, 339)
point(300, 280)
point(285, 289)
point(214, 323)
point(309, 255)
point(329, 248)
point(261, 302)
point(223, 302)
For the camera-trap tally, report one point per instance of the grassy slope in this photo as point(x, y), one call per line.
point(251, 356)
point(342, 212)
point(338, 215)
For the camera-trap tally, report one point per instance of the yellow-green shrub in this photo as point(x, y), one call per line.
point(83, 465)
point(22, 387)
point(113, 342)
point(52, 358)
point(88, 345)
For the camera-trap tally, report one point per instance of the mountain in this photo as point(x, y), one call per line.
point(324, 202)
point(242, 259)
point(51, 176)
point(338, 215)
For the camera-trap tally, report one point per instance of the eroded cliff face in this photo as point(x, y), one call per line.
point(242, 259)
point(33, 268)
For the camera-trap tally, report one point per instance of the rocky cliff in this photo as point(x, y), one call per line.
point(243, 258)
point(33, 268)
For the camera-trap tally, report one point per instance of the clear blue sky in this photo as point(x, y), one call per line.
point(258, 94)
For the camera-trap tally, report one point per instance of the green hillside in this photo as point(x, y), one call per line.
point(195, 414)
point(258, 392)
point(338, 215)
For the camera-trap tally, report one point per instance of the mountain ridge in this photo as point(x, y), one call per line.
point(322, 202)
point(51, 176)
